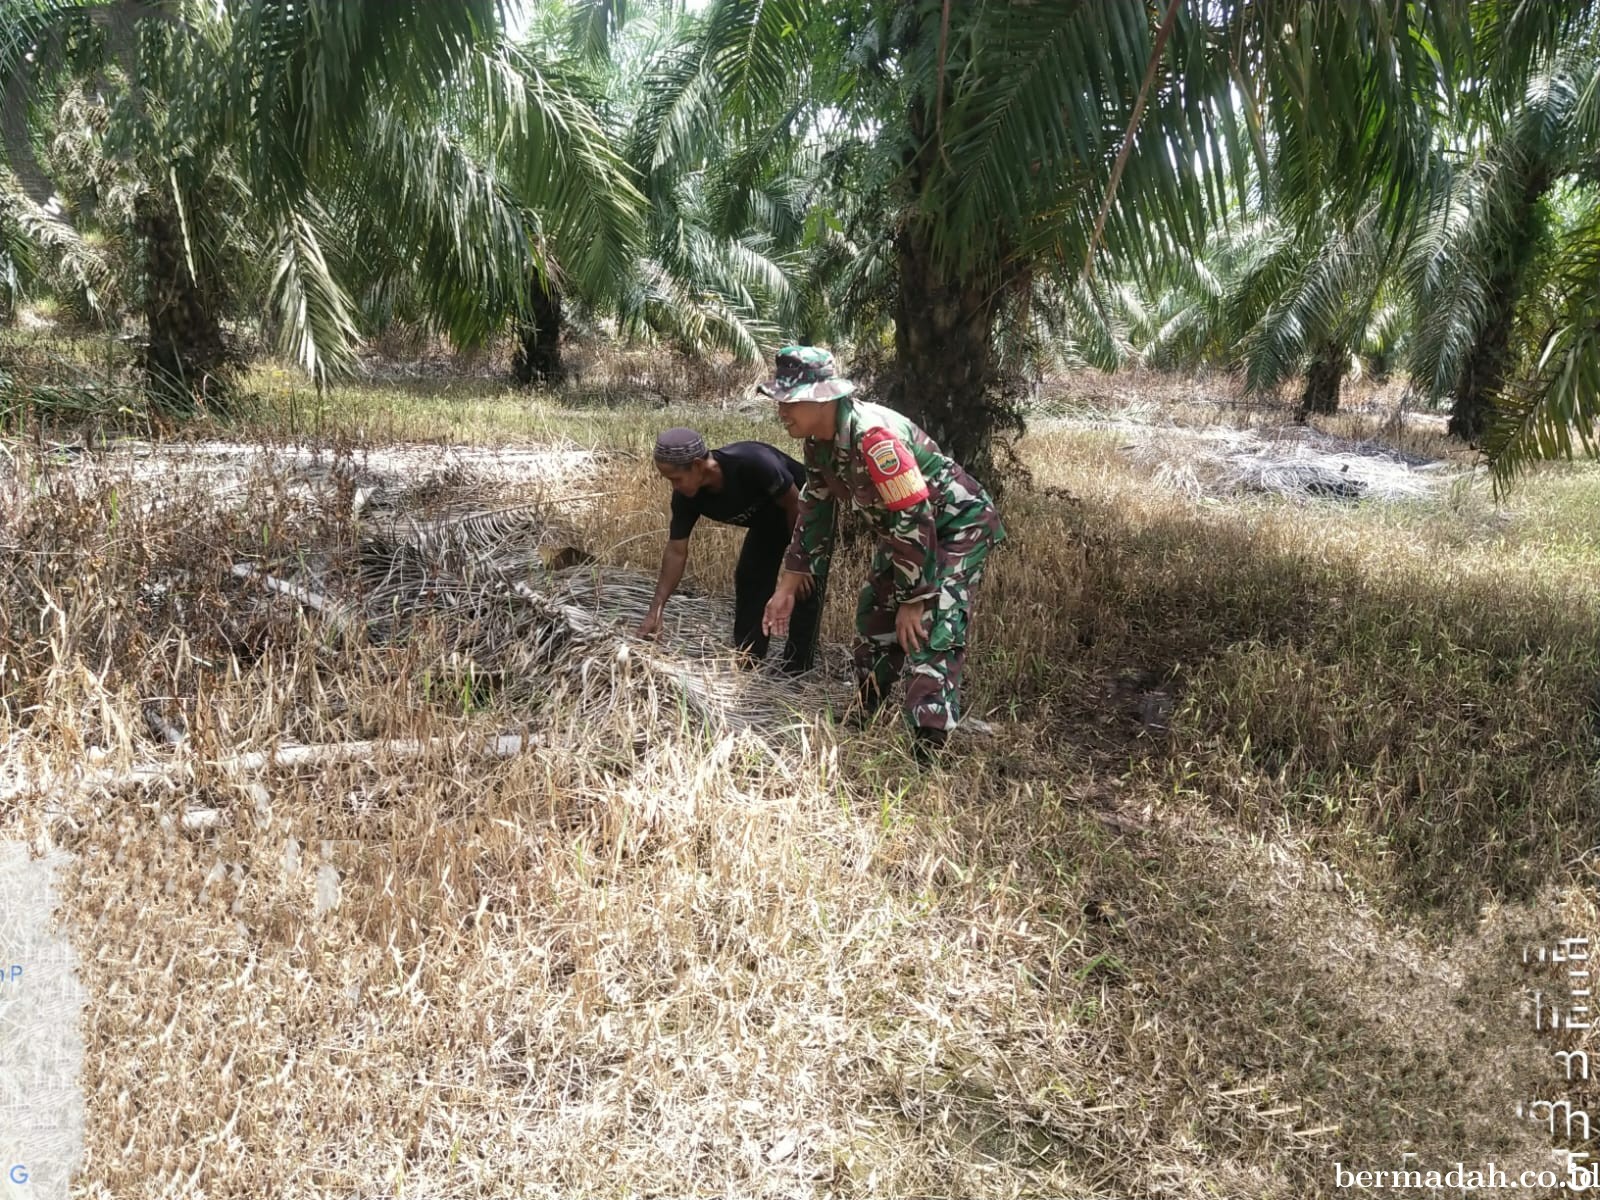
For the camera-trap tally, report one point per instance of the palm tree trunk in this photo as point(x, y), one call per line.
point(945, 364)
point(1485, 372)
point(186, 361)
point(1321, 395)
point(538, 356)
point(946, 372)
point(1490, 358)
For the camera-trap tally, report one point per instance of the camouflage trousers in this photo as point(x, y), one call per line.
point(933, 671)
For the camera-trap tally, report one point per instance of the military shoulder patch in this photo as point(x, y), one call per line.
point(893, 469)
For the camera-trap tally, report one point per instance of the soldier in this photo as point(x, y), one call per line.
point(935, 528)
point(747, 484)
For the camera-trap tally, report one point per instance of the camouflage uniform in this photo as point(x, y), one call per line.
point(935, 528)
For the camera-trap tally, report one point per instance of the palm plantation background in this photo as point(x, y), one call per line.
point(334, 335)
point(972, 194)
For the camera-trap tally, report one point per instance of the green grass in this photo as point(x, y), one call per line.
point(607, 415)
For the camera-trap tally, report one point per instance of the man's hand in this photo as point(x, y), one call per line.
point(775, 620)
point(805, 587)
point(908, 625)
point(673, 559)
point(779, 609)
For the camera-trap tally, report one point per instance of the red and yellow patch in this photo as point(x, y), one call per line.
point(893, 469)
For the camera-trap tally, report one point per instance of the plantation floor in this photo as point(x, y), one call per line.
point(1280, 790)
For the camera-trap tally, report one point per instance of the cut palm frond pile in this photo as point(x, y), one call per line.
point(1305, 465)
point(498, 587)
point(472, 591)
point(472, 550)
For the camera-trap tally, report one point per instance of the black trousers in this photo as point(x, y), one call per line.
point(754, 580)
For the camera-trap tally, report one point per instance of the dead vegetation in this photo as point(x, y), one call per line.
point(1239, 887)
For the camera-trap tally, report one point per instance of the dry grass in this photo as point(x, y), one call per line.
point(1239, 887)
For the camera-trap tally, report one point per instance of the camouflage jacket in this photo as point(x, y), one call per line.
point(897, 477)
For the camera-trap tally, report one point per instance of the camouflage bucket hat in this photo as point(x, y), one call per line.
point(805, 373)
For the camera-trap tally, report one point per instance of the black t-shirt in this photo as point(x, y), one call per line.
point(754, 476)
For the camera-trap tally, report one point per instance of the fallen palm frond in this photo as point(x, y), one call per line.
point(568, 626)
point(332, 610)
point(483, 582)
point(184, 769)
point(1308, 466)
point(515, 535)
point(1303, 473)
point(492, 584)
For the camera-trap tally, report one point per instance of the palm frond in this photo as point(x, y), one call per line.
point(1512, 38)
point(37, 239)
point(1389, 330)
point(593, 24)
point(757, 49)
point(17, 262)
point(694, 319)
point(553, 152)
point(677, 124)
point(1481, 232)
point(450, 219)
point(43, 44)
point(304, 77)
point(316, 320)
point(1558, 405)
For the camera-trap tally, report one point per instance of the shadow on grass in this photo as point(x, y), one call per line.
point(1427, 722)
point(1223, 1016)
point(1318, 1017)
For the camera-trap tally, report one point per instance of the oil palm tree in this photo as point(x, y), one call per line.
point(489, 206)
point(75, 262)
point(1318, 308)
point(209, 101)
point(320, 144)
point(726, 203)
point(1274, 300)
point(1015, 143)
point(1553, 405)
point(1496, 236)
point(706, 266)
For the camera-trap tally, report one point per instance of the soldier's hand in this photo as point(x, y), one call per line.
point(651, 625)
point(806, 585)
point(908, 625)
point(776, 618)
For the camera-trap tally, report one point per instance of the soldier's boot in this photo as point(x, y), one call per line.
point(928, 744)
point(871, 696)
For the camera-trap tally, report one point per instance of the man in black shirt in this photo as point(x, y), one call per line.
point(751, 485)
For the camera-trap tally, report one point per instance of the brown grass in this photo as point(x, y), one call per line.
point(1239, 887)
